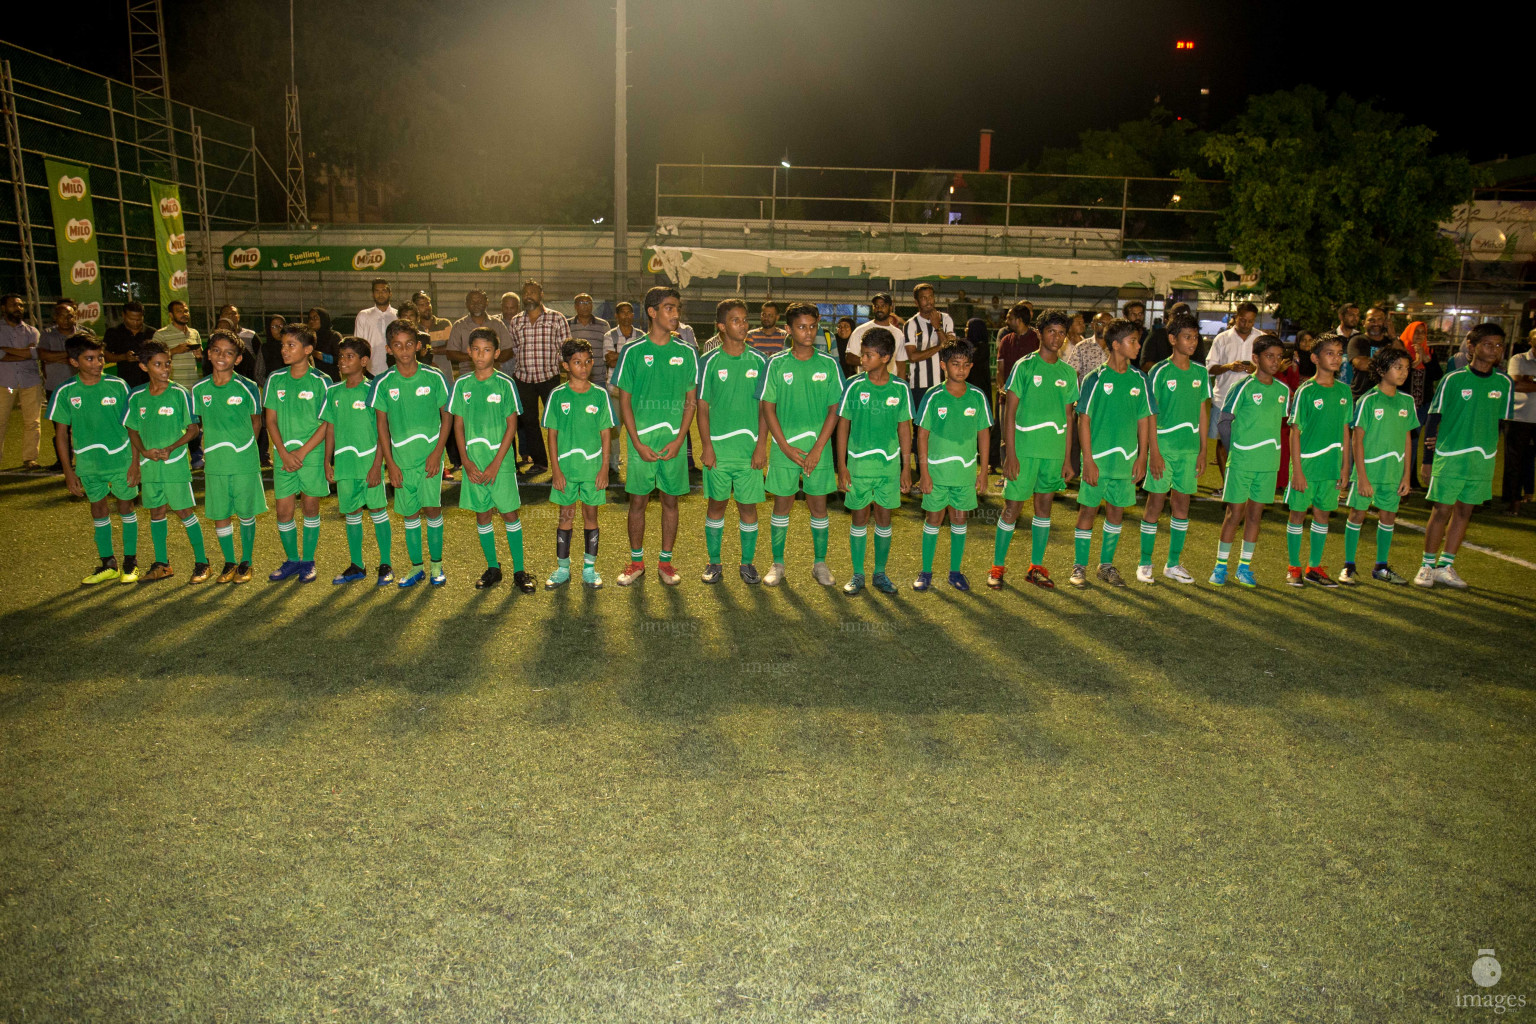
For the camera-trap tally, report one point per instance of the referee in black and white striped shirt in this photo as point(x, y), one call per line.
point(926, 333)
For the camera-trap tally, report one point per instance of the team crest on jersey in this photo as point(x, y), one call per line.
point(676, 360)
point(493, 398)
point(1258, 399)
point(1317, 403)
point(724, 374)
point(789, 377)
point(1173, 385)
point(425, 389)
point(893, 400)
point(1380, 413)
point(863, 397)
point(565, 407)
point(1038, 380)
point(74, 400)
point(306, 395)
point(818, 376)
point(394, 392)
point(281, 394)
point(207, 399)
point(1109, 387)
point(943, 412)
point(650, 360)
point(466, 396)
point(1466, 393)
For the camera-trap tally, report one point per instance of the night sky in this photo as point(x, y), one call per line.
point(484, 111)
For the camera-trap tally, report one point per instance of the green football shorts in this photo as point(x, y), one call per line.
point(1036, 476)
point(242, 494)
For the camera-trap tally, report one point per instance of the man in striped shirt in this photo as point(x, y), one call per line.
point(925, 334)
point(537, 334)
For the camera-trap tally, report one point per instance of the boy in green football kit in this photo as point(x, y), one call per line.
point(1320, 461)
point(87, 412)
point(1114, 428)
point(1384, 421)
point(161, 427)
point(1463, 433)
point(295, 401)
point(734, 433)
point(874, 448)
point(228, 407)
point(800, 402)
point(1257, 405)
point(354, 460)
point(485, 408)
point(1038, 415)
point(578, 427)
point(954, 435)
point(657, 379)
point(1180, 391)
point(410, 401)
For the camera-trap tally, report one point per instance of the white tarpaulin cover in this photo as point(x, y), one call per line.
point(684, 264)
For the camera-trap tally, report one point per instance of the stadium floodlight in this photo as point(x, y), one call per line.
point(784, 164)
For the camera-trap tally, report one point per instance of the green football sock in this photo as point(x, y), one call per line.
point(857, 538)
point(355, 538)
point(882, 547)
point(157, 534)
point(778, 530)
point(1223, 553)
point(713, 529)
point(1178, 532)
point(1039, 537)
point(930, 544)
point(1447, 559)
point(1247, 555)
point(131, 534)
point(956, 546)
point(383, 534)
point(195, 537)
point(515, 543)
point(1428, 560)
point(102, 529)
point(1000, 543)
point(226, 535)
point(1319, 541)
point(488, 543)
point(311, 538)
point(819, 531)
point(1109, 541)
point(1293, 532)
point(1082, 540)
point(247, 540)
point(288, 533)
point(435, 539)
point(1383, 541)
point(748, 542)
point(413, 540)
point(664, 557)
point(1351, 541)
point(1148, 541)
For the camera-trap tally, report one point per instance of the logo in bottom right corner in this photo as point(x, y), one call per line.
point(1487, 972)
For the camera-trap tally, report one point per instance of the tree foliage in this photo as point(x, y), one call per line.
point(1335, 201)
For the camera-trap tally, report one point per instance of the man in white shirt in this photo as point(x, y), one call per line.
point(881, 315)
point(371, 323)
point(1229, 361)
point(1520, 433)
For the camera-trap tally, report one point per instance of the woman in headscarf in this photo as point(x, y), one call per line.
point(327, 343)
point(1423, 374)
point(979, 333)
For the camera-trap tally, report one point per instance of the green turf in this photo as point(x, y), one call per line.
point(275, 803)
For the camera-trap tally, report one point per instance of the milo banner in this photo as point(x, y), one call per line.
point(74, 230)
point(170, 245)
point(370, 259)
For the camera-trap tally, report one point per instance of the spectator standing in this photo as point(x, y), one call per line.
point(594, 331)
point(457, 346)
point(614, 342)
point(537, 334)
point(1520, 433)
point(327, 351)
point(881, 315)
point(1158, 346)
point(1349, 326)
point(1018, 341)
point(767, 338)
point(436, 328)
point(979, 333)
point(1363, 345)
point(840, 336)
point(250, 364)
point(924, 335)
point(370, 326)
point(1230, 360)
point(56, 369)
point(1424, 373)
point(1306, 343)
point(1289, 375)
point(1136, 313)
point(1090, 353)
point(21, 385)
point(122, 344)
point(271, 362)
point(184, 344)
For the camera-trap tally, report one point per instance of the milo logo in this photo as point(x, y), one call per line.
point(79, 230)
point(71, 188)
point(83, 272)
point(170, 207)
point(496, 259)
point(368, 259)
point(179, 281)
point(176, 244)
point(88, 312)
point(244, 259)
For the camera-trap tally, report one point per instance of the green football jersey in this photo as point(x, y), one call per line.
point(229, 439)
point(412, 408)
point(1177, 396)
point(356, 428)
point(1046, 391)
point(160, 420)
point(733, 387)
point(1387, 420)
point(953, 423)
point(1470, 407)
point(94, 414)
point(1321, 414)
point(1115, 405)
point(299, 403)
point(657, 379)
point(873, 412)
point(485, 406)
point(578, 419)
point(801, 392)
point(1258, 416)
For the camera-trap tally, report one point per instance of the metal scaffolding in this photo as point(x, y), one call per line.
point(151, 90)
point(19, 185)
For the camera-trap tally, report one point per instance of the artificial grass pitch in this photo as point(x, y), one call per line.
point(277, 802)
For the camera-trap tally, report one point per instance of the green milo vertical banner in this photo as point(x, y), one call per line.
point(170, 245)
point(74, 230)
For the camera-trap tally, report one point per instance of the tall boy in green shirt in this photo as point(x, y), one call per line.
point(410, 400)
point(1384, 422)
point(1180, 390)
point(161, 427)
point(734, 435)
point(578, 426)
point(874, 449)
point(1257, 405)
point(354, 460)
point(954, 435)
point(295, 403)
point(1320, 456)
point(228, 408)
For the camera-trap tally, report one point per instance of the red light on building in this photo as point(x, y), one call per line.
point(1184, 44)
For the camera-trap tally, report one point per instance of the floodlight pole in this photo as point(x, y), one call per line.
point(19, 188)
point(620, 151)
point(293, 183)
